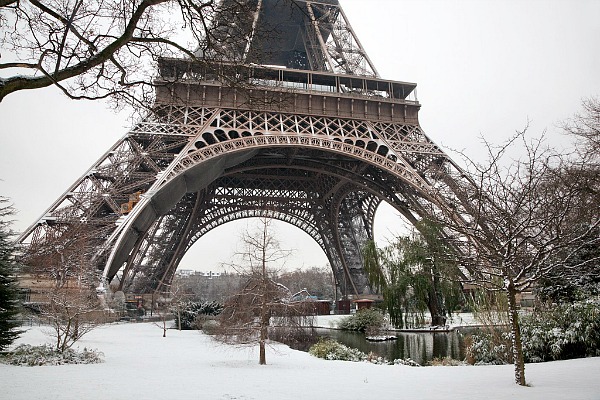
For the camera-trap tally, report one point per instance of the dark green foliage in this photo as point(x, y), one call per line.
point(9, 304)
point(191, 311)
point(363, 321)
point(415, 274)
point(489, 347)
point(564, 332)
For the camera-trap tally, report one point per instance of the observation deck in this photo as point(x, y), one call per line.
point(277, 88)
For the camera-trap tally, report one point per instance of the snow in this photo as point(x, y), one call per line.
point(141, 364)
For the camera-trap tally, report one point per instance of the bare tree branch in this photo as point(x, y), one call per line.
point(528, 221)
point(108, 49)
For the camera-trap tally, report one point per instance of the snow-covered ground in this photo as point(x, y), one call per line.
point(141, 364)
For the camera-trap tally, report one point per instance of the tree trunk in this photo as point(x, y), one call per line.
point(65, 337)
point(263, 338)
point(264, 317)
point(437, 314)
point(75, 333)
point(515, 330)
point(435, 302)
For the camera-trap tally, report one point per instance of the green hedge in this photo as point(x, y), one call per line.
point(363, 321)
point(564, 332)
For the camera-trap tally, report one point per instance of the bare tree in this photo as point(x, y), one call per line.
point(586, 127)
point(201, 288)
point(71, 313)
point(261, 302)
point(64, 261)
point(163, 314)
point(68, 300)
point(521, 225)
point(318, 281)
point(582, 170)
point(169, 305)
point(97, 49)
point(176, 300)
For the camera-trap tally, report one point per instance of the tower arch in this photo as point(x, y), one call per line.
point(306, 186)
point(313, 135)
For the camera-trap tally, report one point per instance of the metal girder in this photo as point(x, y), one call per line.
point(321, 157)
point(300, 166)
point(302, 34)
point(333, 199)
point(331, 43)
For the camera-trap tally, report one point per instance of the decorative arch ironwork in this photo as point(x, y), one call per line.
point(322, 125)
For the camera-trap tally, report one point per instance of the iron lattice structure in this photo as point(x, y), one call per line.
point(319, 143)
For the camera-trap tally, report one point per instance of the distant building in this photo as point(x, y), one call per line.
point(318, 307)
point(303, 295)
point(191, 272)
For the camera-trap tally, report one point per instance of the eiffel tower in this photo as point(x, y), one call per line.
point(317, 139)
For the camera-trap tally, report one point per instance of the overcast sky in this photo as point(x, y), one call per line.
point(483, 68)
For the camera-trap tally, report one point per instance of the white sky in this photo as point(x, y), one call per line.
point(483, 68)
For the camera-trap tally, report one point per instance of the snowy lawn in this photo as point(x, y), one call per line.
point(141, 364)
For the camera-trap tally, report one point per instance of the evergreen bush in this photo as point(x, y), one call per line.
point(489, 348)
point(9, 293)
point(363, 320)
point(564, 332)
point(193, 314)
point(445, 362)
point(27, 355)
point(329, 349)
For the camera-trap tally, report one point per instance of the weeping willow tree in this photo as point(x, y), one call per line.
point(415, 274)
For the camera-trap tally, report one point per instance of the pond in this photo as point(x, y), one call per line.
point(421, 347)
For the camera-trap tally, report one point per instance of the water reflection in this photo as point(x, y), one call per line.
point(420, 347)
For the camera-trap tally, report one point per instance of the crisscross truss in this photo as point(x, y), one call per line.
point(323, 196)
point(331, 44)
point(303, 34)
point(94, 203)
point(198, 168)
point(312, 137)
point(396, 148)
point(341, 157)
